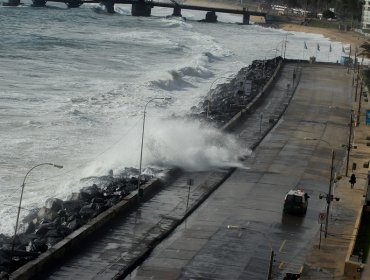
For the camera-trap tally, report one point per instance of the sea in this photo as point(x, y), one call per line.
point(74, 85)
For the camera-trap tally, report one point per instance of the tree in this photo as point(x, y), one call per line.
point(366, 49)
point(349, 9)
point(328, 14)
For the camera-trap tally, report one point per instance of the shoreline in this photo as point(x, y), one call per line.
point(346, 37)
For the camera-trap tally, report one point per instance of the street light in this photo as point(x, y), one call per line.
point(349, 145)
point(329, 196)
point(282, 48)
point(222, 77)
point(208, 100)
point(139, 190)
point(20, 202)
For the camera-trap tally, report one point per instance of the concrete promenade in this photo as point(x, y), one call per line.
point(328, 262)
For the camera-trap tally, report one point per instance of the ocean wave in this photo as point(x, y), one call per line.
point(177, 77)
point(79, 99)
point(174, 22)
point(176, 83)
point(32, 123)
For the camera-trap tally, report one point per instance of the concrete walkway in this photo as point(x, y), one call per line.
point(328, 261)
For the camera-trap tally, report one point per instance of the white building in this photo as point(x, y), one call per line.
point(366, 15)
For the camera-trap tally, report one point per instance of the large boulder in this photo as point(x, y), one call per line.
point(54, 204)
point(72, 206)
point(37, 245)
point(47, 214)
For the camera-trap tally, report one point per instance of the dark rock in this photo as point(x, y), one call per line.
point(47, 214)
point(44, 228)
point(54, 204)
point(89, 193)
point(72, 205)
point(31, 227)
point(74, 224)
point(31, 216)
point(64, 230)
point(88, 212)
point(50, 241)
point(3, 274)
point(98, 200)
point(37, 245)
point(53, 233)
point(62, 213)
point(4, 258)
point(4, 239)
point(74, 196)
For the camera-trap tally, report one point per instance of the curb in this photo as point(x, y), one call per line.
point(352, 268)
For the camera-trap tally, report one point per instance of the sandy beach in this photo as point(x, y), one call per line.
point(346, 37)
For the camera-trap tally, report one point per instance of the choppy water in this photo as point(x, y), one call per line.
point(74, 83)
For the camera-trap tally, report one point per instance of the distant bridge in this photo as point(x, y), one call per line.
point(143, 8)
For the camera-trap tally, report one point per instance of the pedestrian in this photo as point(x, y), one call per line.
point(352, 180)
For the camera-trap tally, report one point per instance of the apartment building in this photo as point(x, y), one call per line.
point(366, 15)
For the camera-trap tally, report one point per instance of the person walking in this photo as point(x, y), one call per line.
point(352, 180)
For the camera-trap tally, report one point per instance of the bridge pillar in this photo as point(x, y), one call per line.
point(177, 11)
point(141, 9)
point(74, 3)
point(211, 17)
point(12, 3)
point(109, 6)
point(38, 3)
point(246, 16)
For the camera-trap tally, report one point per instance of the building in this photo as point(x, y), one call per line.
point(366, 15)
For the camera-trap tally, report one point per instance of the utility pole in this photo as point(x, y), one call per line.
point(329, 195)
point(269, 275)
point(359, 105)
point(349, 146)
point(356, 87)
point(286, 39)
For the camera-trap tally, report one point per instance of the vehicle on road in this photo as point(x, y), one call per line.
point(296, 202)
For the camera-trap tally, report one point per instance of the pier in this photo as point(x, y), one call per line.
point(144, 8)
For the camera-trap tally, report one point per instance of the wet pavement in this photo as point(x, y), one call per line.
point(115, 251)
point(327, 260)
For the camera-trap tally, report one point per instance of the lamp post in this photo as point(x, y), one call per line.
point(139, 190)
point(329, 196)
point(208, 107)
point(286, 40)
point(208, 100)
point(222, 77)
point(20, 203)
point(349, 146)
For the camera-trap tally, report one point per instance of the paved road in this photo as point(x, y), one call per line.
point(231, 235)
point(117, 248)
